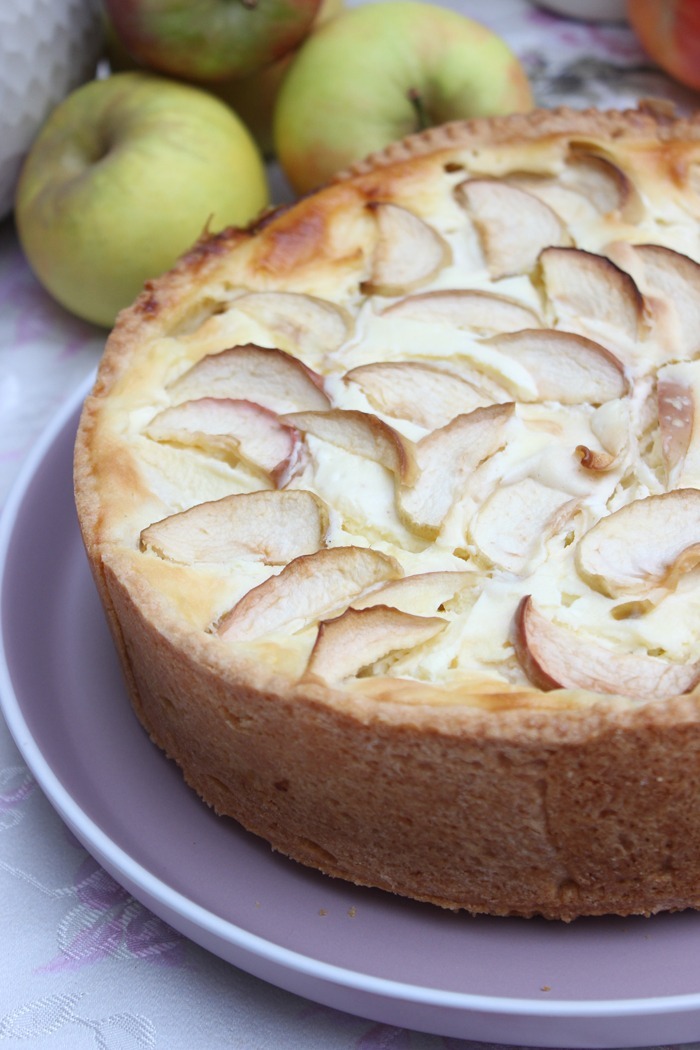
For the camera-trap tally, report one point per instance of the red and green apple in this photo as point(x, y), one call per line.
point(378, 72)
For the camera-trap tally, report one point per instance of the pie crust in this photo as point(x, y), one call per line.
point(393, 505)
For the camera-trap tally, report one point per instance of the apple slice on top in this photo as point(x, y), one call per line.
point(268, 526)
point(408, 252)
point(237, 431)
point(270, 377)
point(361, 433)
point(423, 593)
point(307, 589)
point(359, 637)
point(482, 312)
point(556, 657)
point(675, 279)
point(513, 524)
point(513, 225)
point(592, 177)
point(645, 545)
point(566, 367)
point(445, 459)
point(678, 394)
point(300, 323)
point(424, 394)
point(606, 185)
point(582, 286)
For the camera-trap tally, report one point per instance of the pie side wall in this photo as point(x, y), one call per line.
point(608, 823)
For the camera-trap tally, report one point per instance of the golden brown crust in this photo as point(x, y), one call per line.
point(499, 800)
point(650, 120)
point(530, 813)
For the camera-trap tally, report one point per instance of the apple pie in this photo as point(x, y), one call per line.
point(393, 504)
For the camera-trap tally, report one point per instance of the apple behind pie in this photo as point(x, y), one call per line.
point(393, 504)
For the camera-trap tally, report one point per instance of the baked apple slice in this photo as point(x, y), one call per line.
point(673, 280)
point(300, 323)
point(423, 593)
point(645, 545)
point(590, 177)
point(512, 525)
point(604, 183)
point(445, 460)
point(270, 377)
point(582, 287)
point(237, 431)
point(477, 311)
point(596, 460)
point(308, 589)
point(566, 367)
point(361, 433)
point(359, 637)
point(269, 526)
point(424, 394)
point(557, 657)
point(408, 252)
point(678, 395)
point(613, 424)
point(513, 225)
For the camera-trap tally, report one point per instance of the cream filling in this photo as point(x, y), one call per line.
point(537, 459)
point(361, 495)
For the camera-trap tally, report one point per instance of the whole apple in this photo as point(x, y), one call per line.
point(669, 30)
point(124, 176)
point(210, 39)
point(252, 97)
point(379, 72)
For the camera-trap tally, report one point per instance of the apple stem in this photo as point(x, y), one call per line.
point(416, 100)
point(250, 3)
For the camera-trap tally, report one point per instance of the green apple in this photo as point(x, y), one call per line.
point(253, 98)
point(210, 39)
point(124, 176)
point(381, 71)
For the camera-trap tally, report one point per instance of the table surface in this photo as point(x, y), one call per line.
point(62, 990)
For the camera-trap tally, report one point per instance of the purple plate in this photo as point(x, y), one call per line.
point(593, 983)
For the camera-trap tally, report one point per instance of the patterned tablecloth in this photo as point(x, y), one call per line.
point(82, 964)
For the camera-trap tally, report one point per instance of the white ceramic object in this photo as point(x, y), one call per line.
point(588, 10)
point(47, 48)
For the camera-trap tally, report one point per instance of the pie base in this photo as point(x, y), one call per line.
point(504, 812)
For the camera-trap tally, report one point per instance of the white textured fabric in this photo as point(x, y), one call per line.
point(47, 48)
point(82, 964)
